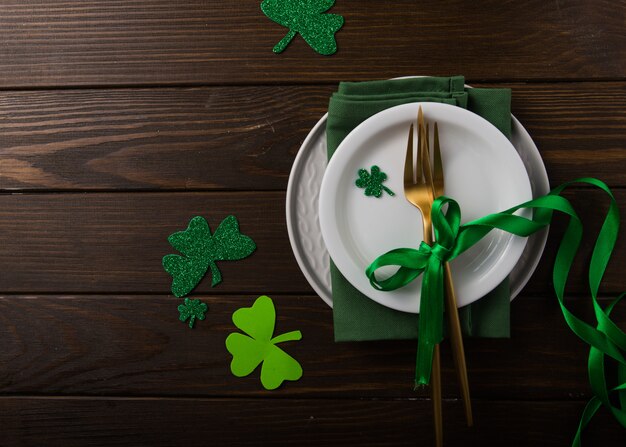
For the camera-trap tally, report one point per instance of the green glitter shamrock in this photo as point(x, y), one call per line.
point(191, 310)
point(258, 346)
point(202, 250)
point(305, 17)
point(373, 183)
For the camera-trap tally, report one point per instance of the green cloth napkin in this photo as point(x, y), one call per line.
point(357, 317)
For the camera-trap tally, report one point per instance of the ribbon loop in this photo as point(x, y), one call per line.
point(446, 225)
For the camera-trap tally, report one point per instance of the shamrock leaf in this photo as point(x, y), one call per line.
point(201, 250)
point(373, 183)
point(258, 346)
point(191, 310)
point(305, 17)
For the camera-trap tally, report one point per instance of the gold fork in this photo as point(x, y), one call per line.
point(420, 193)
point(456, 337)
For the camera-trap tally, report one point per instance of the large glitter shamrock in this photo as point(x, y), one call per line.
point(201, 250)
point(191, 310)
point(373, 183)
point(305, 17)
point(258, 346)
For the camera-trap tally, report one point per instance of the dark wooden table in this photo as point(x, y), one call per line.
point(120, 120)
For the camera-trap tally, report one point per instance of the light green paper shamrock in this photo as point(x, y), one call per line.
point(201, 250)
point(305, 17)
point(191, 310)
point(373, 183)
point(258, 346)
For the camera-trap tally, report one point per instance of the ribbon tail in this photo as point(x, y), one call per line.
point(590, 410)
point(423, 365)
point(430, 330)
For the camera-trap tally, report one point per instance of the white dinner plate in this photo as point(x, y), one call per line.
point(483, 172)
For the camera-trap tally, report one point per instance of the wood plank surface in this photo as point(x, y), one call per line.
point(247, 137)
point(114, 243)
point(122, 119)
point(311, 422)
point(135, 346)
point(148, 42)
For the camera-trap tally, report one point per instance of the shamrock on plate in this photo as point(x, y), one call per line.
point(201, 250)
point(191, 310)
point(257, 346)
point(373, 183)
point(305, 17)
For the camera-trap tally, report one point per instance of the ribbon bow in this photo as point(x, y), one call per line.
point(428, 260)
point(606, 339)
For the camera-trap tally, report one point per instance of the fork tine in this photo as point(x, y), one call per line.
point(428, 173)
point(438, 166)
point(420, 145)
point(408, 162)
point(427, 135)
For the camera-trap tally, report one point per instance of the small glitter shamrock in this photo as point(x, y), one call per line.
point(305, 17)
point(201, 250)
point(191, 310)
point(373, 183)
point(257, 345)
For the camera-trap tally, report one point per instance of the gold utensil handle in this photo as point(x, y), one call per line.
point(456, 338)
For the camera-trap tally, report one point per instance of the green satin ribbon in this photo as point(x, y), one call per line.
point(452, 239)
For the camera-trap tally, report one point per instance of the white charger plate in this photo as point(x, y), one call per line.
point(302, 209)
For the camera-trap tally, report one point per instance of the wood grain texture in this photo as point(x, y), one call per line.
point(122, 119)
point(205, 138)
point(286, 422)
point(50, 43)
point(114, 243)
point(135, 346)
point(247, 137)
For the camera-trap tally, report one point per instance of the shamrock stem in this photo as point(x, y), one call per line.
point(280, 46)
point(389, 191)
point(215, 274)
point(289, 336)
point(191, 321)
